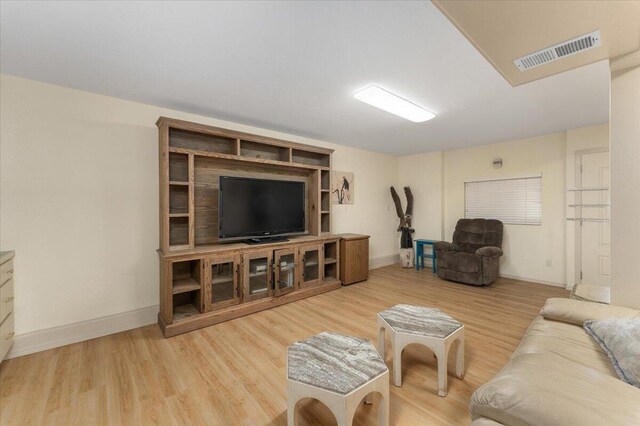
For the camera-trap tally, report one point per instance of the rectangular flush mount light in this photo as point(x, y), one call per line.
point(387, 101)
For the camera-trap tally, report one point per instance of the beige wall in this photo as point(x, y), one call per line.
point(625, 187)
point(536, 253)
point(423, 173)
point(79, 200)
point(532, 252)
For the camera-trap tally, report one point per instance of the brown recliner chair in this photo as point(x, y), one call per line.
point(474, 255)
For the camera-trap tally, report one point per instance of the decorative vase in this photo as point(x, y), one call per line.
point(407, 258)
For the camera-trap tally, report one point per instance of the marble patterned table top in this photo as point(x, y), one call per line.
point(334, 362)
point(421, 321)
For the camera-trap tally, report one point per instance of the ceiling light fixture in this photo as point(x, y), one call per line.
point(387, 101)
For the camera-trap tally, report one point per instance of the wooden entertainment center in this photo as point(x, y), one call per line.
point(204, 281)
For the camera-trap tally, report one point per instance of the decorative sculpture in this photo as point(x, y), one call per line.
point(405, 218)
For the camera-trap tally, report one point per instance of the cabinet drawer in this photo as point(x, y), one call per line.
point(6, 335)
point(6, 299)
point(6, 271)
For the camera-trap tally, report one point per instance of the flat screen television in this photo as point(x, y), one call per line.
point(254, 208)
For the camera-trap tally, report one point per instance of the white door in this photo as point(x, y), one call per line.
point(595, 236)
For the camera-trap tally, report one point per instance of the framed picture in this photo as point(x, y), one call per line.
point(341, 187)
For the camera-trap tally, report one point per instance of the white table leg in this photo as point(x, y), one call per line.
point(441, 354)
point(383, 409)
point(460, 358)
point(291, 409)
point(381, 342)
point(397, 363)
point(345, 418)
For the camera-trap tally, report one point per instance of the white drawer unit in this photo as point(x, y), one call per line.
point(6, 335)
point(6, 268)
point(6, 302)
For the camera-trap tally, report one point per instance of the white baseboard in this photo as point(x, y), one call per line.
point(54, 337)
point(379, 262)
point(533, 280)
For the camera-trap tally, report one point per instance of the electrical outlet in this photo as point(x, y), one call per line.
point(549, 264)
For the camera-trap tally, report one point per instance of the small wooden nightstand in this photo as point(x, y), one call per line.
point(354, 258)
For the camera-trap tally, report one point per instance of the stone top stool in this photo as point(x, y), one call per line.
point(339, 371)
point(430, 327)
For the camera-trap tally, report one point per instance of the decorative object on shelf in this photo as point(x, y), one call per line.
point(342, 187)
point(405, 218)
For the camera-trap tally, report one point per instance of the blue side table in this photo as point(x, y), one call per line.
point(420, 254)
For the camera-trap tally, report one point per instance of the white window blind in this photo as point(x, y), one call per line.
point(515, 201)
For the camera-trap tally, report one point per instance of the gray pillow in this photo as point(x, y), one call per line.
point(620, 340)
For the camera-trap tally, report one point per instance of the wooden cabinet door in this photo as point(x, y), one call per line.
point(311, 265)
point(222, 278)
point(354, 260)
point(257, 274)
point(285, 271)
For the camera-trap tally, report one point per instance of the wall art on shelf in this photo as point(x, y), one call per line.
point(341, 187)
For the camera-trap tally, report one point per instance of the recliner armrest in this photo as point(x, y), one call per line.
point(489, 251)
point(446, 246)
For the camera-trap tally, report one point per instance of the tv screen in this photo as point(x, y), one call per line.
point(258, 207)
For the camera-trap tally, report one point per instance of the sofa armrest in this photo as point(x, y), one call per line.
point(547, 389)
point(445, 246)
point(489, 251)
point(577, 311)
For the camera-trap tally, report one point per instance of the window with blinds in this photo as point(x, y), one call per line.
point(515, 201)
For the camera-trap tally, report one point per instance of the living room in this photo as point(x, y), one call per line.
point(121, 124)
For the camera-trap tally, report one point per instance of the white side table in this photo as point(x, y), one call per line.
point(339, 371)
point(591, 293)
point(430, 327)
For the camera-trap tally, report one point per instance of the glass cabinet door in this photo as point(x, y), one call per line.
point(286, 271)
point(257, 275)
point(311, 265)
point(223, 279)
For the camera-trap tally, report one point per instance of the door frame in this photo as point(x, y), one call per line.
point(578, 210)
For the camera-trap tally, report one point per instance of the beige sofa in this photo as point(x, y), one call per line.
point(559, 375)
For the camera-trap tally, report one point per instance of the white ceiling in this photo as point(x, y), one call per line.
point(294, 66)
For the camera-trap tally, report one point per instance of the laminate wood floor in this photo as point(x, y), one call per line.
point(234, 373)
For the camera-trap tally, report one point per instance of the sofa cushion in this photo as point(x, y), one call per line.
point(460, 261)
point(546, 389)
point(578, 311)
point(566, 340)
point(483, 421)
point(474, 278)
point(471, 234)
point(620, 340)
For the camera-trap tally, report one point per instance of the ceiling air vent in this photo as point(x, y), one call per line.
point(553, 53)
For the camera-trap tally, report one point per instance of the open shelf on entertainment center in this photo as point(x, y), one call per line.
point(205, 280)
